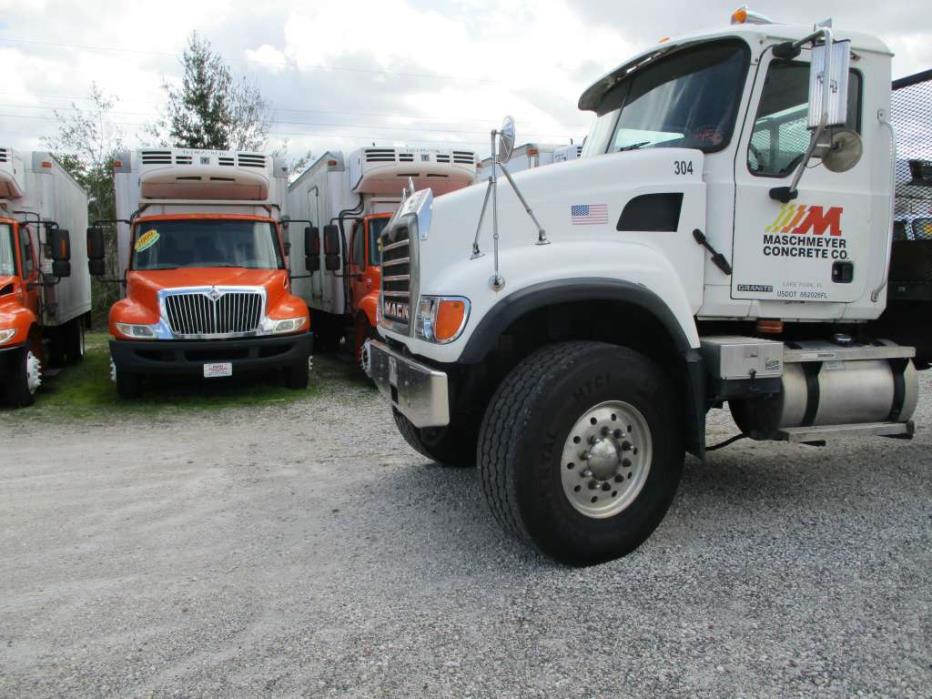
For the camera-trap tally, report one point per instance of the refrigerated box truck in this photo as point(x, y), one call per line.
point(346, 201)
point(203, 265)
point(45, 303)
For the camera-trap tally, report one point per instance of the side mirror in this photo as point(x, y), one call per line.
point(95, 244)
point(59, 240)
point(331, 240)
point(331, 248)
point(828, 84)
point(312, 249)
point(61, 268)
point(97, 268)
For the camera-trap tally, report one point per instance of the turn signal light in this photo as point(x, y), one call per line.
point(745, 16)
point(450, 316)
point(769, 326)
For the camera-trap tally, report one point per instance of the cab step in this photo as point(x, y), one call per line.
point(824, 433)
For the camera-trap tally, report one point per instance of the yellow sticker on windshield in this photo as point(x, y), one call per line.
point(147, 240)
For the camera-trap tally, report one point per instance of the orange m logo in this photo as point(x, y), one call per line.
point(802, 219)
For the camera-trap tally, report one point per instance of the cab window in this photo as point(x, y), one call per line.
point(376, 226)
point(780, 136)
point(359, 253)
point(25, 246)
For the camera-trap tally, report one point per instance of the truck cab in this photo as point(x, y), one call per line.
point(204, 266)
point(339, 207)
point(43, 307)
point(724, 239)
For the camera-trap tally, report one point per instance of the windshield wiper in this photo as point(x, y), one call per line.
point(633, 146)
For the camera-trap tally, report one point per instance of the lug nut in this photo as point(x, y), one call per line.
point(626, 463)
point(593, 485)
point(619, 478)
point(626, 446)
point(606, 486)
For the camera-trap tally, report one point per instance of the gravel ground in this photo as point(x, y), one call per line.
point(307, 550)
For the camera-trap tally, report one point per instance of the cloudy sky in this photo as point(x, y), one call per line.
point(346, 73)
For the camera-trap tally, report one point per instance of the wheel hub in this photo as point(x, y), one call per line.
point(33, 372)
point(606, 459)
point(603, 458)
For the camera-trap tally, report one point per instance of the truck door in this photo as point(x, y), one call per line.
point(357, 263)
point(29, 265)
point(817, 246)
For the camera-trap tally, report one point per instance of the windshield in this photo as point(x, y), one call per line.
point(205, 243)
point(689, 100)
point(7, 256)
point(376, 226)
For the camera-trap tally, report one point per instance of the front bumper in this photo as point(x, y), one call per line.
point(190, 356)
point(420, 393)
point(10, 356)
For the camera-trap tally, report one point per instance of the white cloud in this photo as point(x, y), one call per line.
point(268, 57)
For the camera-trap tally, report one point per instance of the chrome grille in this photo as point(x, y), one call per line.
point(396, 276)
point(213, 312)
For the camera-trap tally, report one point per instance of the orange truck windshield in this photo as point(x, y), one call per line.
point(7, 254)
point(205, 243)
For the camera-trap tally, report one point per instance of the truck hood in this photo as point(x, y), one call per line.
point(578, 201)
point(143, 286)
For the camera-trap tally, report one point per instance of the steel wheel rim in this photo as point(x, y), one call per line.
point(33, 373)
point(606, 459)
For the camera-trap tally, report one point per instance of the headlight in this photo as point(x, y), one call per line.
point(137, 332)
point(287, 325)
point(7, 335)
point(441, 319)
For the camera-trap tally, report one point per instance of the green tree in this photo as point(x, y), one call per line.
point(86, 144)
point(210, 109)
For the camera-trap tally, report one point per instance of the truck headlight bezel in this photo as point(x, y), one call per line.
point(286, 325)
point(441, 319)
point(137, 331)
point(6, 336)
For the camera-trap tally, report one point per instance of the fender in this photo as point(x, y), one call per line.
point(367, 305)
point(530, 298)
point(14, 315)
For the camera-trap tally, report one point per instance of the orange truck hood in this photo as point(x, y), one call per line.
point(142, 287)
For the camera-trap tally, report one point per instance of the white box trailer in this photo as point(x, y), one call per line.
point(46, 300)
point(358, 193)
point(188, 181)
point(531, 155)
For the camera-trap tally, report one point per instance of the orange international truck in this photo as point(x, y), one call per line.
point(203, 264)
point(343, 203)
point(44, 308)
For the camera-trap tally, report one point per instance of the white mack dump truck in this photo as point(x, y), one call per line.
point(726, 237)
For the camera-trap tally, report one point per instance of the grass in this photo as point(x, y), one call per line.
point(84, 390)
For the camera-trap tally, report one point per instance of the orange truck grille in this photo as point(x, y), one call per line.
point(198, 314)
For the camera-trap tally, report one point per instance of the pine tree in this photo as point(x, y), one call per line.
point(210, 110)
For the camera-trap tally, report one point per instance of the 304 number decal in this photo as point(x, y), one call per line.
point(682, 167)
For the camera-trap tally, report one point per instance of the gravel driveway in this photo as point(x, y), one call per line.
point(306, 550)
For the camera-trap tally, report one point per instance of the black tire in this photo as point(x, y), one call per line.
point(527, 424)
point(327, 334)
point(16, 391)
point(74, 341)
point(447, 446)
point(297, 375)
point(128, 385)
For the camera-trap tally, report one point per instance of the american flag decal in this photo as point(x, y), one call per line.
point(588, 214)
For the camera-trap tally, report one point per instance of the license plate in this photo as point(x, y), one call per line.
point(392, 371)
point(212, 371)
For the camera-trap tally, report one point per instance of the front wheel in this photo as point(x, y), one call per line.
point(581, 450)
point(298, 374)
point(128, 385)
point(25, 379)
point(453, 445)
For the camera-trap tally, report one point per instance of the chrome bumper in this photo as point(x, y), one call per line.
point(417, 391)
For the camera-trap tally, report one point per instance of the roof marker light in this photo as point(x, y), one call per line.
point(745, 16)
